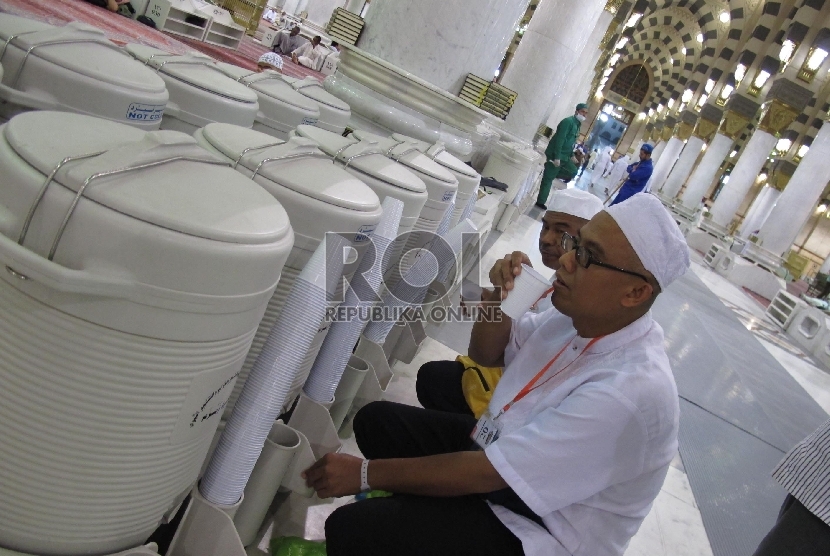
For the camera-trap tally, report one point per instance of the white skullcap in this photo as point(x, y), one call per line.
point(654, 235)
point(575, 202)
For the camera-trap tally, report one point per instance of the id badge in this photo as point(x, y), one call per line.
point(485, 432)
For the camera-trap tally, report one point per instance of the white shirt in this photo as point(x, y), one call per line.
point(617, 171)
point(312, 56)
point(589, 450)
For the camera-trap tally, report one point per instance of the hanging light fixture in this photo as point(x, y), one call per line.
point(787, 51)
point(632, 21)
point(621, 43)
point(710, 84)
point(702, 100)
point(815, 57)
point(700, 38)
point(614, 59)
point(783, 145)
point(687, 96)
point(740, 72)
point(802, 150)
point(724, 17)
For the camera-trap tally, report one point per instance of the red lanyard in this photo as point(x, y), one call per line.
point(531, 386)
point(541, 297)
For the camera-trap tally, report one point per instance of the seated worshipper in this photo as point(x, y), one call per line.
point(638, 175)
point(579, 433)
point(311, 55)
point(286, 43)
point(113, 5)
point(269, 61)
point(439, 383)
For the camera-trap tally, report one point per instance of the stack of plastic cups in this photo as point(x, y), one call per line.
point(412, 289)
point(270, 380)
point(363, 294)
point(469, 207)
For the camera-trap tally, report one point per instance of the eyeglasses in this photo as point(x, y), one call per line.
point(585, 258)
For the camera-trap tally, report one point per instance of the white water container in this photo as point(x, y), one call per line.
point(319, 196)
point(199, 92)
point(442, 188)
point(510, 163)
point(334, 113)
point(131, 285)
point(468, 179)
point(75, 68)
point(366, 161)
point(281, 108)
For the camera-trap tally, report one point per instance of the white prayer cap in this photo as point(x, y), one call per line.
point(654, 235)
point(575, 202)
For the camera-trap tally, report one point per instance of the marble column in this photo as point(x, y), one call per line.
point(440, 41)
point(799, 199)
point(658, 150)
point(579, 80)
point(683, 167)
point(665, 160)
point(732, 124)
point(759, 211)
point(549, 52)
point(825, 267)
point(319, 11)
point(747, 168)
point(786, 100)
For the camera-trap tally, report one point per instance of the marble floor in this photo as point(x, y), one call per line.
point(674, 525)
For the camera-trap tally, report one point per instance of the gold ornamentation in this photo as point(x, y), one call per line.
point(613, 6)
point(777, 117)
point(606, 39)
point(705, 129)
point(667, 133)
point(779, 180)
point(684, 131)
point(733, 124)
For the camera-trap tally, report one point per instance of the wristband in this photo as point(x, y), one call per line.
point(364, 476)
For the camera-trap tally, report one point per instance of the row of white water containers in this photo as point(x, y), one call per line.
point(76, 68)
point(141, 272)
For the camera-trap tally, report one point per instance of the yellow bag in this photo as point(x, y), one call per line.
point(478, 384)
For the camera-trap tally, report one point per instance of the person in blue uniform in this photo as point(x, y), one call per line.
point(638, 175)
point(559, 154)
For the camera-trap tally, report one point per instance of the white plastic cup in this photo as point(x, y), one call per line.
point(528, 287)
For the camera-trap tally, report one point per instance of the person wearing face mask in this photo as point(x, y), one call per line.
point(559, 154)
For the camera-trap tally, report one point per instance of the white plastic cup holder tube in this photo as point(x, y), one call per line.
point(271, 377)
point(412, 289)
point(528, 287)
point(363, 293)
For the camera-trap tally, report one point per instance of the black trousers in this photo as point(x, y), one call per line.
point(438, 386)
point(406, 525)
point(796, 533)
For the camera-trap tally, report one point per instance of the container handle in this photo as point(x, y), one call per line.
point(26, 265)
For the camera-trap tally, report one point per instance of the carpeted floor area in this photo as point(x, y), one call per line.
point(122, 30)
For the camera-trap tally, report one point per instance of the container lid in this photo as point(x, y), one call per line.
point(308, 171)
point(377, 165)
point(195, 70)
point(407, 153)
point(269, 83)
point(312, 88)
point(516, 152)
point(437, 153)
point(96, 57)
point(194, 197)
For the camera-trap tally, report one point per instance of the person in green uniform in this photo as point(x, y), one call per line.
point(558, 163)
